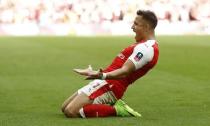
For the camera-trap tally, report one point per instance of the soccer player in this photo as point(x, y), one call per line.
point(102, 96)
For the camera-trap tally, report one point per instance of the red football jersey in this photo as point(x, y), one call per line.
point(143, 54)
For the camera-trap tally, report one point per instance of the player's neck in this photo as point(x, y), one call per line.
point(150, 36)
point(146, 37)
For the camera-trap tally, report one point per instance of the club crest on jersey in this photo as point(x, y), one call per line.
point(138, 56)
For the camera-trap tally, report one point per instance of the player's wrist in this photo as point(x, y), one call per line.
point(104, 76)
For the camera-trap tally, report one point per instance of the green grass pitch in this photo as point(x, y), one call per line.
point(36, 77)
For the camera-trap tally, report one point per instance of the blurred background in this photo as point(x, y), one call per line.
point(100, 17)
point(36, 68)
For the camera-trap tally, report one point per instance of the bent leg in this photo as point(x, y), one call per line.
point(93, 100)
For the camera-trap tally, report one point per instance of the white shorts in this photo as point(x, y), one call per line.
point(99, 92)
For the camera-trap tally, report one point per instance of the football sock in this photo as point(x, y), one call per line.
point(97, 110)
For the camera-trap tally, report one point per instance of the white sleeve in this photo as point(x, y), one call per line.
point(141, 55)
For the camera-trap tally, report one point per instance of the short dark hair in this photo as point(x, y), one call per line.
point(148, 16)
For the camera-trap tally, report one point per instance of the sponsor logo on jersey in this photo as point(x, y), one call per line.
point(138, 56)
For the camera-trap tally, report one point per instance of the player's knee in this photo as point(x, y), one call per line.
point(71, 111)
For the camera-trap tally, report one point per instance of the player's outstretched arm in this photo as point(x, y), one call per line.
point(125, 70)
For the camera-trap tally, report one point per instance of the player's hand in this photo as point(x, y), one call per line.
point(95, 75)
point(84, 72)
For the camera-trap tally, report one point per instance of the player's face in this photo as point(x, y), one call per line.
point(139, 27)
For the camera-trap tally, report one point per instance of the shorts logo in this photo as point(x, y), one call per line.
point(138, 56)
